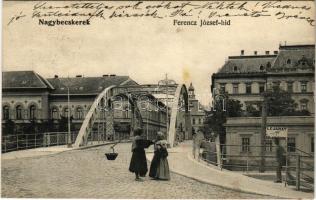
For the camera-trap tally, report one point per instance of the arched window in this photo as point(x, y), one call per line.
point(66, 112)
point(235, 68)
point(55, 113)
point(261, 67)
point(288, 61)
point(32, 112)
point(193, 122)
point(268, 65)
point(18, 110)
point(79, 113)
point(200, 122)
point(6, 112)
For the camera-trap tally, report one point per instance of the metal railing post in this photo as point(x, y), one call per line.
point(298, 172)
point(198, 147)
point(5, 144)
point(26, 141)
point(247, 161)
point(17, 142)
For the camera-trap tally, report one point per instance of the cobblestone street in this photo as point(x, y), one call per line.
point(87, 174)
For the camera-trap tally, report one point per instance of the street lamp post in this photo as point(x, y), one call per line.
point(167, 110)
point(69, 143)
point(165, 82)
point(263, 132)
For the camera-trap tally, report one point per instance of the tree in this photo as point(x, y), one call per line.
point(280, 103)
point(223, 107)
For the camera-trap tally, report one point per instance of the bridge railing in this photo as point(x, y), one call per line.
point(29, 141)
point(298, 170)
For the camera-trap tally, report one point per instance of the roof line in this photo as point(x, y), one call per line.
point(253, 56)
point(39, 79)
point(126, 81)
point(45, 81)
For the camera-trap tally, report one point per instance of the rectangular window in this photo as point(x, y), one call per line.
point(291, 145)
point(235, 88)
point(304, 106)
point(275, 85)
point(261, 87)
point(248, 88)
point(303, 87)
point(245, 142)
point(222, 87)
point(290, 87)
point(268, 145)
point(312, 145)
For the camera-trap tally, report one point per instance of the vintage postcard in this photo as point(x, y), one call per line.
point(158, 99)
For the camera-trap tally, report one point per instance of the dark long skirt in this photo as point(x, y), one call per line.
point(138, 162)
point(154, 165)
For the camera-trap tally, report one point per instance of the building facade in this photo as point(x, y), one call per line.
point(28, 97)
point(247, 77)
point(196, 110)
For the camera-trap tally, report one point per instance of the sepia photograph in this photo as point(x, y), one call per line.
point(158, 99)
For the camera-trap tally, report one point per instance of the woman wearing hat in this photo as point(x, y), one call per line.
point(138, 164)
point(159, 168)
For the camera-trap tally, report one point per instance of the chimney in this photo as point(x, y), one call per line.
point(78, 76)
point(242, 52)
point(56, 76)
point(275, 52)
point(112, 75)
point(105, 75)
point(255, 52)
point(267, 52)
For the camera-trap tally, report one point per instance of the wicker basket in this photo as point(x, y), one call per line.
point(111, 156)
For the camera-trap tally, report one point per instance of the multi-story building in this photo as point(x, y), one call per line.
point(246, 77)
point(196, 110)
point(28, 97)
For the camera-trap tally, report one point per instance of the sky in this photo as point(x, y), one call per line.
point(143, 49)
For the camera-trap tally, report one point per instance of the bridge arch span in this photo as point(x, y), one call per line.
point(180, 115)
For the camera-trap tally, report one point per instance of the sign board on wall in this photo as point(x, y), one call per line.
point(279, 132)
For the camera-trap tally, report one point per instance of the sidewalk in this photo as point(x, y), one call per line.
point(43, 151)
point(181, 162)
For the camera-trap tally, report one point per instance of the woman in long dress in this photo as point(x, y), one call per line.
point(159, 168)
point(138, 164)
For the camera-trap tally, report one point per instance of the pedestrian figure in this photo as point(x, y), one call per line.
point(280, 160)
point(138, 164)
point(159, 168)
point(197, 140)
